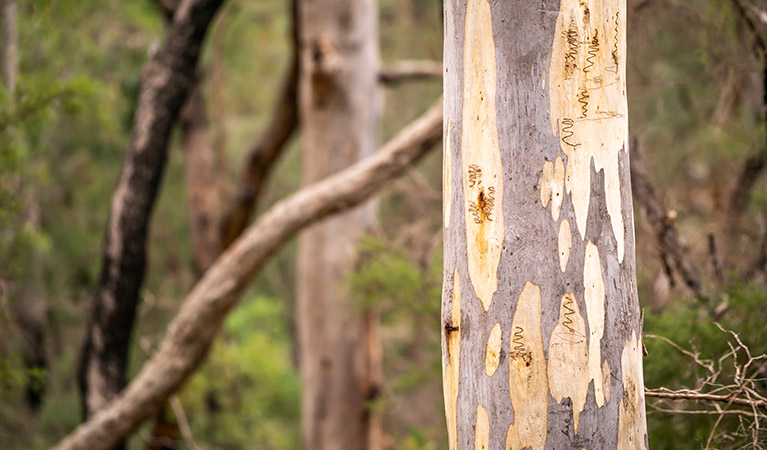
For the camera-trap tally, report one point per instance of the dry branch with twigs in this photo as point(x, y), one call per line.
point(739, 395)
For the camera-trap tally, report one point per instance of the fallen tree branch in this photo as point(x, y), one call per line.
point(192, 330)
point(408, 70)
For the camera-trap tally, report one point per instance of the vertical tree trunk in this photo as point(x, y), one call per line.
point(31, 307)
point(10, 55)
point(337, 340)
point(203, 175)
point(542, 329)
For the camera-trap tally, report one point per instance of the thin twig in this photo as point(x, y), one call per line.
point(681, 395)
point(183, 422)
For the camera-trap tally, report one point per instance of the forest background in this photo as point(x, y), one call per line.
point(696, 83)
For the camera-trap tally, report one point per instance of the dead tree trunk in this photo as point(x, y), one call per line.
point(541, 323)
point(165, 83)
point(337, 113)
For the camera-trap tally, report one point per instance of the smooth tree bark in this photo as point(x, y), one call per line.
point(541, 323)
point(165, 83)
point(192, 330)
point(339, 350)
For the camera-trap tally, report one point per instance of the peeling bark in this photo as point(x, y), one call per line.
point(165, 82)
point(192, 330)
point(535, 107)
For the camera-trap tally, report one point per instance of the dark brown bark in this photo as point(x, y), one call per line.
point(31, 315)
point(267, 149)
point(662, 224)
point(165, 83)
point(191, 332)
point(754, 167)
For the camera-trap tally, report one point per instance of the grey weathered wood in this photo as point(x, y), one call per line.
point(517, 131)
point(338, 109)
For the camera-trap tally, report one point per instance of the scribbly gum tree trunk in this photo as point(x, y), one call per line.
point(541, 322)
point(339, 350)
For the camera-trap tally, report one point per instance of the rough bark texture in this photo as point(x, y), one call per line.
point(194, 327)
point(338, 110)
point(541, 322)
point(10, 56)
point(165, 83)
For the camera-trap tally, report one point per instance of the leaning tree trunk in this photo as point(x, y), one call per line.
point(541, 322)
point(337, 339)
point(165, 82)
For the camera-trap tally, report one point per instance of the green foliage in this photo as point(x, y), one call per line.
point(387, 279)
point(247, 395)
point(406, 296)
point(688, 326)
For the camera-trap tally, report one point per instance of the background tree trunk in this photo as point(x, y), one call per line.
point(339, 357)
point(203, 181)
point(542, 333)
point(165, 83)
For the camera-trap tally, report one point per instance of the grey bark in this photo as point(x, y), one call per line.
point(192, 330)
point(165, 83)
point(338, 357)
point(485, 409)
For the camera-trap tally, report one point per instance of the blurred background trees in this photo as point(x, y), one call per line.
point(696, 77)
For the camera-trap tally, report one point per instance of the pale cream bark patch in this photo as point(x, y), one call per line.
point(564, 244)
point(480, 153)
point(552, 186)
point(569, 357)
point(594, 286)
point(632, 422)
point(450, 371)
point(482, 429)
point(528, 383)
point(588, 109)
point(493, 353)
point(446, 183)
